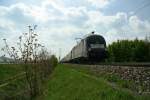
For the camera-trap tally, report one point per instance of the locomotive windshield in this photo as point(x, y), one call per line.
point(96, 41)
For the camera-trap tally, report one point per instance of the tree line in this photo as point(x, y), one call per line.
point(129, 51)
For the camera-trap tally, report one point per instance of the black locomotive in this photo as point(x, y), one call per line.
point(90, 48)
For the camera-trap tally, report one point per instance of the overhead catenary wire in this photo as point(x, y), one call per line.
point(142, 7)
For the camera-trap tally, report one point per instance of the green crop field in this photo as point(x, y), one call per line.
point(67, 83)
point(9, 70)
point(10, 87)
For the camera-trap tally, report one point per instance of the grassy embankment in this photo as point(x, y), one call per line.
point(68, 83)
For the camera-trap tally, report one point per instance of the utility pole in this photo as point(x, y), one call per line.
point(59, 54)
point(149, 37)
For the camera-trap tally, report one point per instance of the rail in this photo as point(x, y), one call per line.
point(130, 64)
point(136, 64)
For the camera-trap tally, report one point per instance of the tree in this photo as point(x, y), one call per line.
point(33, 56)
point(129, 51)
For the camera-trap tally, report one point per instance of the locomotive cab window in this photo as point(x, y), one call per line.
point(95, 42)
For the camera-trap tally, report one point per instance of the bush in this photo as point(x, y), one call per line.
point(53, 61)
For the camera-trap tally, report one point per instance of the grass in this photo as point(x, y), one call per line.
point(12, 90)
point(67, 83)
point(9, 70)
point(112, 78)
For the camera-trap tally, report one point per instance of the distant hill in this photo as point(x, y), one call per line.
point(4, 59)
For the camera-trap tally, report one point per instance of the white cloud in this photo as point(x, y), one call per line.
point(118, 26)
point(99, 3)
point(59, 24)
point(138, 25)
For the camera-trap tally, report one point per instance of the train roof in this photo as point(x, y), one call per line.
point(88, 35)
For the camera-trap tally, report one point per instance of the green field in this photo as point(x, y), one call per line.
point(67, 83)
point(10, 87)
point(9, 70)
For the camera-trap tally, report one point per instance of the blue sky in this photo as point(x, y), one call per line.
point(61, 21)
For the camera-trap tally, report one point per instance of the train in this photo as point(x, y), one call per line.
point(91, 48)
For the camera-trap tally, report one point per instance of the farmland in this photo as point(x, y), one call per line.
point(13, 83)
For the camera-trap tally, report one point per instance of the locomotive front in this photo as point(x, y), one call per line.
point(96, 47)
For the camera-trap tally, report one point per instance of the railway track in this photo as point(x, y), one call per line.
point(147, 64)
point(127, 64)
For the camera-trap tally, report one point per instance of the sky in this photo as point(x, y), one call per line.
point(61, 21)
